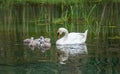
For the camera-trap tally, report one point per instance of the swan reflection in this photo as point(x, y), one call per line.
point(65, 51)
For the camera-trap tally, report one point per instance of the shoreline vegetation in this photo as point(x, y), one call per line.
point(100, 17)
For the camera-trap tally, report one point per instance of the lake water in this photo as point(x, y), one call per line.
point(94, 57)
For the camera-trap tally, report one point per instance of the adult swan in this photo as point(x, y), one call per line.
point(71, 38)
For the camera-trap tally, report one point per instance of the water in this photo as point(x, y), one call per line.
point(94, 57)
point(100, 54)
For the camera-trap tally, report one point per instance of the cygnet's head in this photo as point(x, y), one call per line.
point(41, 39)
point(32, 38)
point(47, 39)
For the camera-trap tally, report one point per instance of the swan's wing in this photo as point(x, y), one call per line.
point(72, 38)
point(75, 36)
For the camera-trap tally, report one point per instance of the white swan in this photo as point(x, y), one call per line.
point(71, 38)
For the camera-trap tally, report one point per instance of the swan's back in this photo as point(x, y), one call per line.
point(75, 38)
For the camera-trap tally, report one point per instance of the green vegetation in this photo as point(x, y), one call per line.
point(100, 17)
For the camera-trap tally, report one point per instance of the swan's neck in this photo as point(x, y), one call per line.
point(66, 33)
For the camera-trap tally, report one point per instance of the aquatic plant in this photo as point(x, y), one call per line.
point(101, 17)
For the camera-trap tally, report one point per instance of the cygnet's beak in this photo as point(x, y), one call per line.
point(58, 34)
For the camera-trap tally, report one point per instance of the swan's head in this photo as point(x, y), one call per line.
point(60, 31)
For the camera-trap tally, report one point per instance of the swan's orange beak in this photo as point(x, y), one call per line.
point(58, 34)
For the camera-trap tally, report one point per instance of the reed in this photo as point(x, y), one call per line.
point(100, 17)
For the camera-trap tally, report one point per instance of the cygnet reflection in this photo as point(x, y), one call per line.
point(70, 50)
point(39, 43)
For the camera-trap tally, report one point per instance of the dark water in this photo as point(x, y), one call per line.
point(94, 57)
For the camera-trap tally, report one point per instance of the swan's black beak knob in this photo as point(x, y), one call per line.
point(58, 34)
